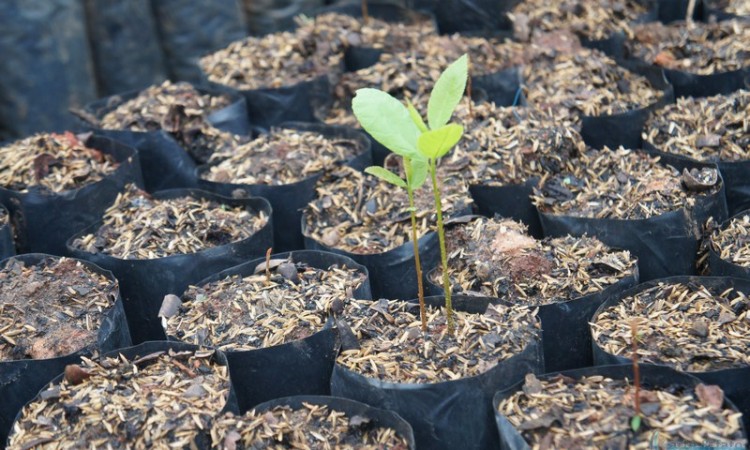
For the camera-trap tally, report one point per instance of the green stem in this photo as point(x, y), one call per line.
point(443, 252)
point(417, 262)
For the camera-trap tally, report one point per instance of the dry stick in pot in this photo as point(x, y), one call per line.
point(635, 421)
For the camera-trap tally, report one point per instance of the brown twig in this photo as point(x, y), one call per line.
point(268, 264)
point(689, 13)
point(365, 14)
point(636, 369)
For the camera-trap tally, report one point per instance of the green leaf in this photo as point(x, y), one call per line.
point(419, 170)
point(415, 117)
point(436, 143)
point(447, 92)
point(635, 423)
point(387, 120)
point(386, 175)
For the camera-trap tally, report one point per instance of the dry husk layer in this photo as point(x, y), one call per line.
point(732, 243)
point(139, 226)
point(52, 163)
point(160, 401)
point(251, 312)
point(594, 412)
point(497, 258)
point(393, 348)
point(683, 325)
point(51, 309)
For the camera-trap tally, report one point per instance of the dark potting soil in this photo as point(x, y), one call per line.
point(139, 226)
point(291, 303)
point(392, 347)
point(161, 400)
point(709, 129)
point(52, 163)
point(595, 412)
point(591, 20)
point(697, 48)
point(497, 258)
point(586, 82)
point(180, 110)
point(51, 309)
point(282, 156)
point(357, 212)
point(732, 242)
point(623, 184)
point(686, 326)
point(412, 74)
point(309, 426)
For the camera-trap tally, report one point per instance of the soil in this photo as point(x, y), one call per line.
point(391, 346)
point(585, 82)
point(687, 326)
point(180, 110)
point(359, 213)
point(732, 243)
point(622, 184)
point(312, 426)
point(710, 129)
point(51, 309)
point(595, 412)
point(592, 20)
point(139, 226)
point(52, 163)
point(246, 313)
point(699, 48)
point(283, 156)
point(497, 258)
point(163, 400)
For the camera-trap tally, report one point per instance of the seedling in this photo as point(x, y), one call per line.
point(401, 129)
point(635, 421)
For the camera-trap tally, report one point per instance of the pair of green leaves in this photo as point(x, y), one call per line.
point(402, 130)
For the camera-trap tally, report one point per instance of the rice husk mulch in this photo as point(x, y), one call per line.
point(282, 156)
point(139, 226)
point(698, 48)
point(180, 110)
point(393, 348)
point(163, 400)
point(710, 129)
point(586, 82)
point(359, 213)
point(246, 313)
point(686, 326)
point(594, 412)
point(311, 426)
point(623, 184)
point(497, 258)
point(52, 163)
point(732, 242)
point(594, 20)
point(737, 7)
point(50, 309)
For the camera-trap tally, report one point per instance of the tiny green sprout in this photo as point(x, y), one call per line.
point(401, 129)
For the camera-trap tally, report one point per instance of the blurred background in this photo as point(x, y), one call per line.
point(62, 54)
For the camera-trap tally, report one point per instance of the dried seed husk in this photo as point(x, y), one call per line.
point(732, 242)
point(586, 82)
point(282, 156)
point(687, 326)
point(52, 163)
point(737, 7)
point(617, 184)
point(593, 20)
point(361, 214)
point(160, 401)
point(497, 258)
point(246, 313)
point(393, 347)
point(698, 48)
point(139, 226)
point(595, 411)
point(311, 425)
point(709, 129)
point(52, 308)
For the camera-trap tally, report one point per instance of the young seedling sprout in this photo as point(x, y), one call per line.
point(635, 421)
point(402, 130)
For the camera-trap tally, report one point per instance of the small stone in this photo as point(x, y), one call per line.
point(331, 237)
point(337, 306)
point(169, 306)
point(708, 140)
point(531, 384)
point(726, 317)
point(288, 271)
point(710, 395)
point(194, 391)
point(413, 334)
point(699, 328)
point(75, 375)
